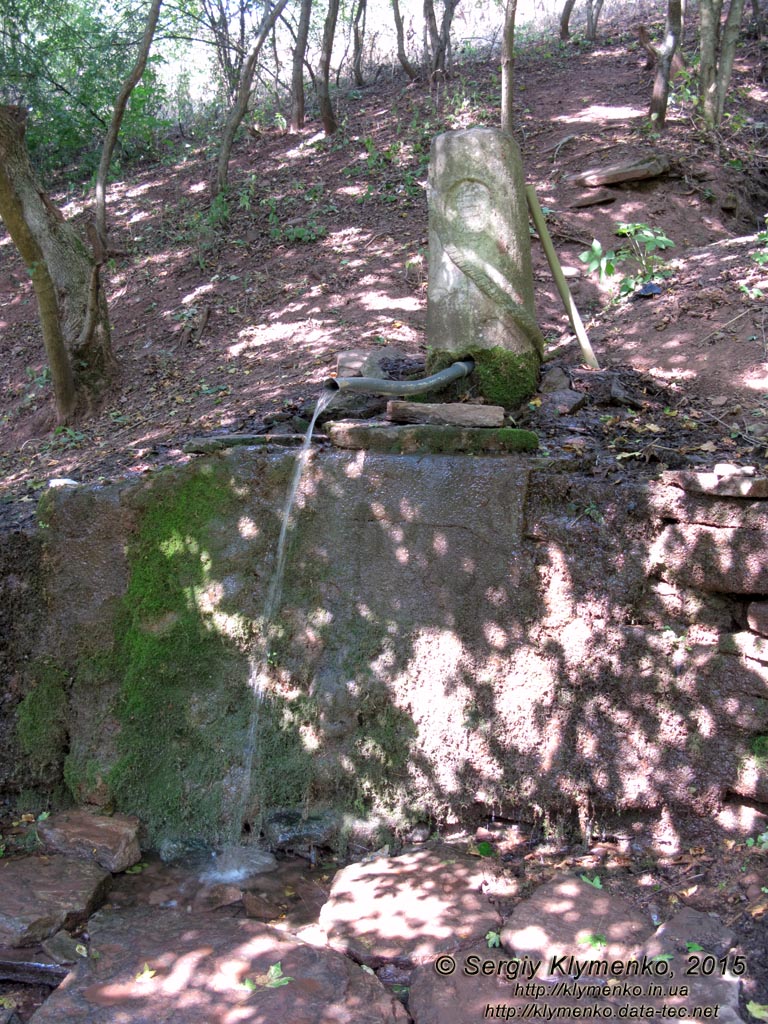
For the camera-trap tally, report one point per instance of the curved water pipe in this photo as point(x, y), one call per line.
point(403, 388)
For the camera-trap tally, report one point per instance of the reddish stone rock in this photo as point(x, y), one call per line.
point(199, 967)
point(747, 645)
point(573, 910)
point(40, 895)
point(668, 501)
point(111, 841)
point(577, 947)
point(729, 561)
point(737, 482)
point(405, 910)
point(757, 617)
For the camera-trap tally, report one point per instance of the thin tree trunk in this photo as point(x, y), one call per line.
point(406, 65)
point(327, 113)
point(565, 19)
point(508, 66)
point(433, 36)
point(240, 106)
point(134, 77)
point(709, 33)
point(715, 71)
point(73, 310)
point(297, 73)
point(358, 37)
point(666, 53)
point(594, 7)
point(729, 39)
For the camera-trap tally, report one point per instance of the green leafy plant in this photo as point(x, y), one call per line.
point(761, 843)
point(694, 947)
point(274, 978)
point(761, 256)
point(595, 941)
point(594, 882)
point(598, 261)
point(644, 243)
point(493, 939)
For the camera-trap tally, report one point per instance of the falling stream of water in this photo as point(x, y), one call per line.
point(258, 662)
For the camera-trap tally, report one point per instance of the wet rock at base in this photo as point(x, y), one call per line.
point(405, 910)
point(111, 841)
point(287, 829)
point(210, 969)
point(40, 895)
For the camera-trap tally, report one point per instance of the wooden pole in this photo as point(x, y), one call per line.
point(557, 273)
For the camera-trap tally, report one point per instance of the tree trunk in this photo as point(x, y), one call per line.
point(666, 53)
point(432, 35)
point(729, 39)
point(439, 39)
point(406, 65)
point(297, 72)
point(714, 40)
point(240, 106)
point(507, 67)
point(565, 19)
point(594, 7)
point(134, 77)
point(325, 103)
point(358, 38)
point(73, 310)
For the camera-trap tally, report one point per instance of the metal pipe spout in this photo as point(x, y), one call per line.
point(402, 388)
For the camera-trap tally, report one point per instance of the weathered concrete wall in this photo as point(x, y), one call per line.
point(453, 630)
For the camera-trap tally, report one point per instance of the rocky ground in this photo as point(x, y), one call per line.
point(425, 935)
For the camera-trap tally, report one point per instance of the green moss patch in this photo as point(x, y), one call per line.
point(41, 719)
point(183, 704)
point(500, 376)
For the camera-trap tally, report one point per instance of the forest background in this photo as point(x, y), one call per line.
point(128, 115)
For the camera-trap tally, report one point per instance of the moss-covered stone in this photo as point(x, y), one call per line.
point(501, 376)
point(431, 438)
point(183, 702)
point(41, 719)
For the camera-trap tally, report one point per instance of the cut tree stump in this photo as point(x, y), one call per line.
point(626, 170)
point(462, 415)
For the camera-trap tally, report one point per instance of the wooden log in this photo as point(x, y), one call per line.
point(460, 414)
point(627, 170)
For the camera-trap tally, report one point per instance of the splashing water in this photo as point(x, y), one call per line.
point(259, 661)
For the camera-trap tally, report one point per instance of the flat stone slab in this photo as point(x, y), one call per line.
point(757, 617)
point(211, 969)
point(625, 170)
point(563, 402)
point(459, 413)
point(40, 895)
point(606, 973)
point(748, 645)
point(725, 560)
point(111, 841)
point(406, 910)
point(561, 917)
point(725, 481)
point(426, 438)
point(218, 442)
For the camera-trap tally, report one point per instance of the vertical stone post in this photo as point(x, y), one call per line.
point(480, 291)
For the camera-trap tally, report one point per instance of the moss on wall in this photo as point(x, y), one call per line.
point(182, 705)
point(502, 377)
point(41, 719)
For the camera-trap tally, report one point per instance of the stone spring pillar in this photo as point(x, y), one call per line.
point(480, 292)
